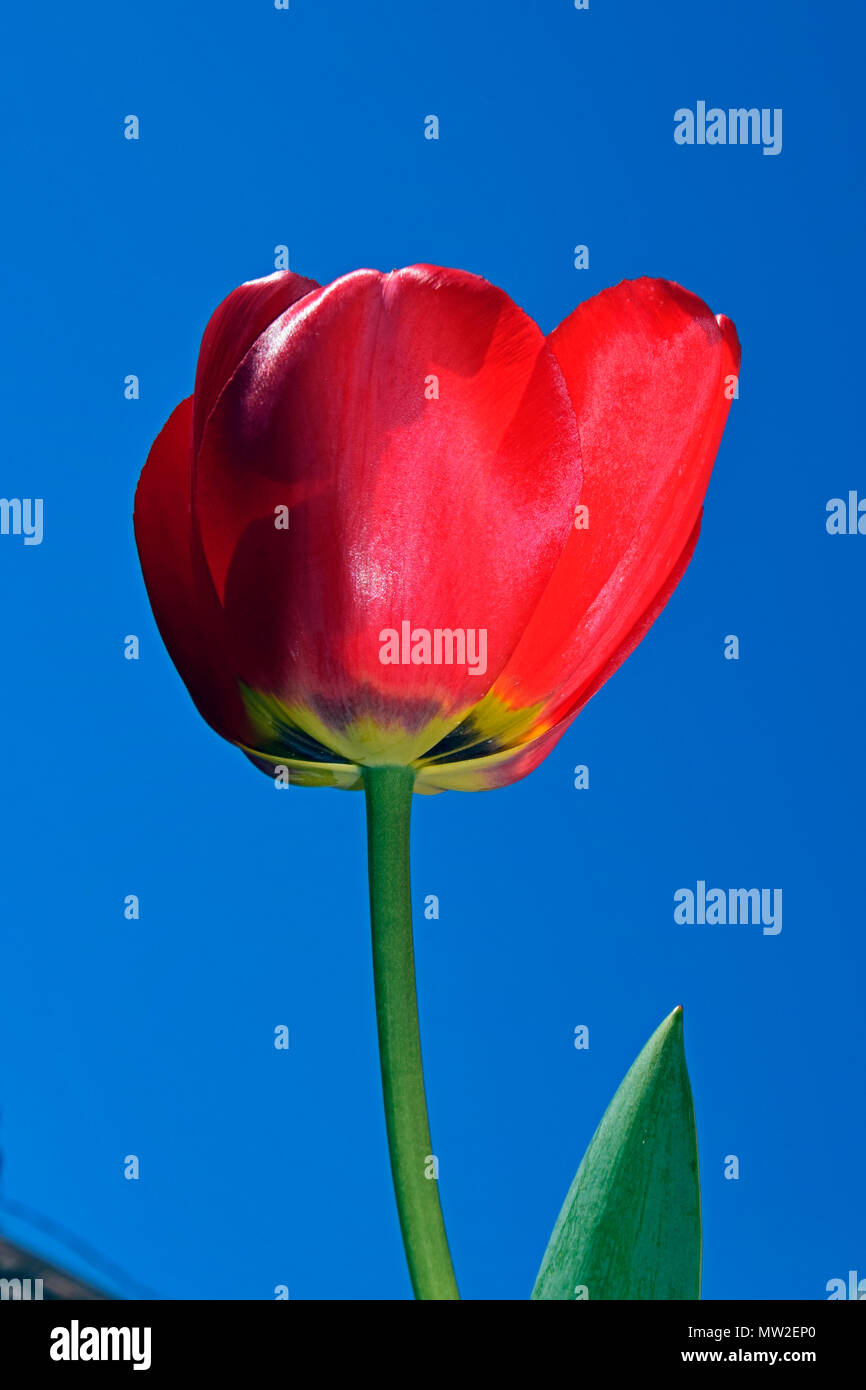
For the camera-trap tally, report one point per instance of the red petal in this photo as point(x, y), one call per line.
point(445, 513)
point(180, 590)
point(233, 328)
point(648, 367)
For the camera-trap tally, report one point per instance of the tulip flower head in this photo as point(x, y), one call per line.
point(395, 524)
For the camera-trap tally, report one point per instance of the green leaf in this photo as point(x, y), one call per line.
point(630, 1226)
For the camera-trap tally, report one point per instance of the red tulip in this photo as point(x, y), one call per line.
point(397, 538)
point(364, 466)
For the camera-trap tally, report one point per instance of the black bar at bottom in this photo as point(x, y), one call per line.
point(221, 1338)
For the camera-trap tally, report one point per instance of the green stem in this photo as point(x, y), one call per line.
point(389, 800)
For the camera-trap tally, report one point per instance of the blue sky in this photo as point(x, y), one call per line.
point(154, 1037)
